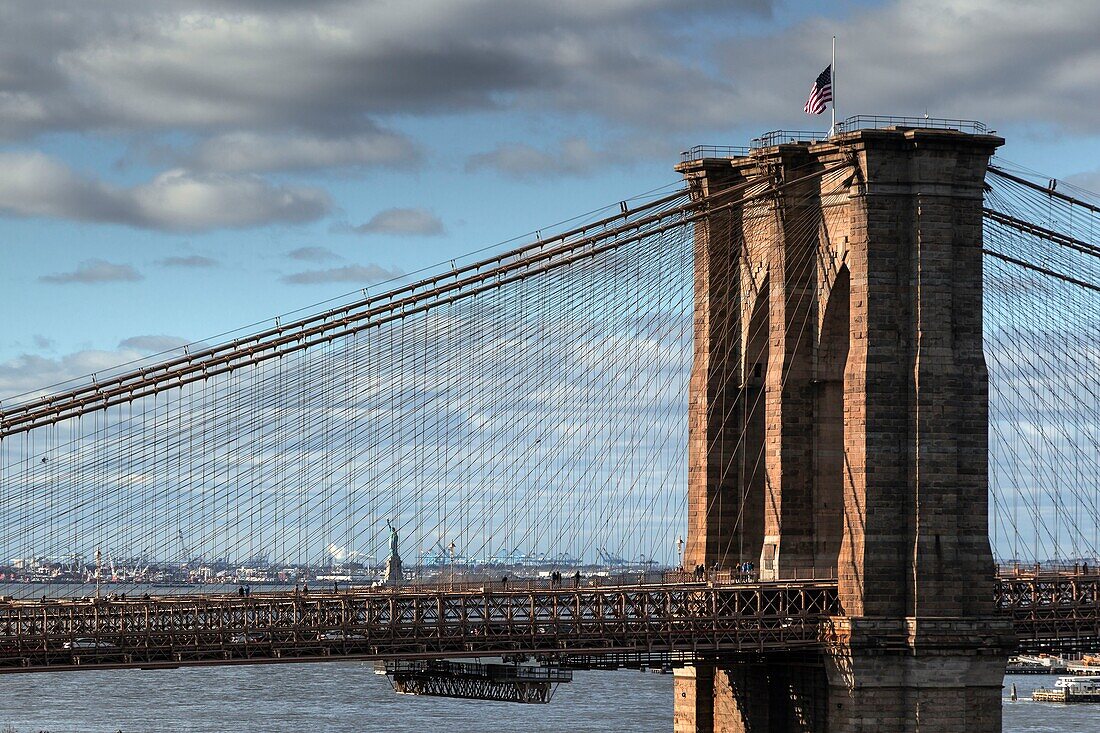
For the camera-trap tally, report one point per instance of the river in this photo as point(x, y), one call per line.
point(347, 697)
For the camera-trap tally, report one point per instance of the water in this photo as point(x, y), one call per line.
point(1025, 716)
point(334, 697)
point(347, 697)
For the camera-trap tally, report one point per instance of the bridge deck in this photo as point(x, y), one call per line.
point(1050, 613)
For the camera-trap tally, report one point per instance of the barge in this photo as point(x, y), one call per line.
point(1070, 689)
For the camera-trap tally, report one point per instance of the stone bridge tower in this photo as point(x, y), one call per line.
point(838, 429)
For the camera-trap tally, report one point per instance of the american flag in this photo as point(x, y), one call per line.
point(822, 92)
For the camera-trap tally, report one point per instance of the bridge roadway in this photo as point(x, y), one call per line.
point(1054, 612)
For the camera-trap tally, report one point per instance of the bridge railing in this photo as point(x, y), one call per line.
point(1018, 570)
point(782, 137)
point(599, 579)
point(882, 122)
point(699, 152)
point(856, 122)
point(569, 579)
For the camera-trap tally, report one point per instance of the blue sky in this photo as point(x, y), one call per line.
point(173, 174)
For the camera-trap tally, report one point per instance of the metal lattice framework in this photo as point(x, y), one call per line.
point(1051, 613)
point(168, 631)
point(500, 682)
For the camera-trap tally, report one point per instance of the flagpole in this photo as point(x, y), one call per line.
point(832, 104)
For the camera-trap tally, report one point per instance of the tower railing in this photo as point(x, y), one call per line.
point(699, 152)
point(882, 122)
point(784, 137)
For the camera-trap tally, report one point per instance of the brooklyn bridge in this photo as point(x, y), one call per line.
point(837, 394)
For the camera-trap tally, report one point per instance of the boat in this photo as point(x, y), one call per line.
point(1070, 688)
point(1087, 665)
point(1042, 664)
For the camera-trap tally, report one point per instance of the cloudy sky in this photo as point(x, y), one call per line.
point(172, 170)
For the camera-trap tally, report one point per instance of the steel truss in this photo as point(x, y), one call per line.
point(672, 621)
point(175, 631)
point(502, 682)
point(1053, 613)
point(477, 689)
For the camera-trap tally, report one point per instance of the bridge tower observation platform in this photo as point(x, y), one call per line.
point(838, 426)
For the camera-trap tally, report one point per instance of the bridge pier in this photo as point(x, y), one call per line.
point(693, 692)
point(936, 675)
point(779, 693)
point(838, 428)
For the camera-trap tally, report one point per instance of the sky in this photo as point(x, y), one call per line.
point(170, 171)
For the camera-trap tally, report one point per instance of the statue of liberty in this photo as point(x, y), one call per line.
point(393, 540)
point(393, 575)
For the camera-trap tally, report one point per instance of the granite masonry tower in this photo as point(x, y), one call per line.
point(838, 429)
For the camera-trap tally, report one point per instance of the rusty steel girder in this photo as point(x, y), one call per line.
point(1053, 613)
point(1050, 612)
point(175, 631)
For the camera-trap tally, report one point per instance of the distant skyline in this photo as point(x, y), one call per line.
point(177, 172)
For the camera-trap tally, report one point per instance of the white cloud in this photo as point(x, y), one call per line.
point(405, 222)
point(296, 85)
point(35, 185)
point(1087, 180)
point(32, 373)
point(153, 344)
point(574, 157)
point(361, 274)
point(249, 151)
point(195, 261)
point(327, 70)
point(313, 254)
point(998, 61)
point(94, 271)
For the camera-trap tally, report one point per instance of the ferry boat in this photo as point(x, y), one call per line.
point(1042, 664)
point(1071, 689)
